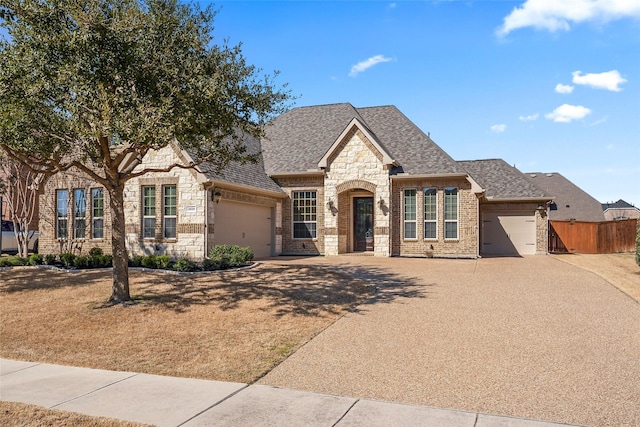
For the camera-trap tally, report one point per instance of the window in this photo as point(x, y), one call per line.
point(410, 222)
point(450, 213)
point(169, 211)
point(148, 212)
point(79, 212)
point(304, 214)
point(97, 213)
point(430, 213)
point(62, 210)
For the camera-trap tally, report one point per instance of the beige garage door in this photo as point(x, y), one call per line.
point(243, 224)
point(508, 233)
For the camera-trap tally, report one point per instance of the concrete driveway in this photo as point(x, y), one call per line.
point(526, 337)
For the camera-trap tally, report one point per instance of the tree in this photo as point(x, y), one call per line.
point(18, 188)
point(95, 84)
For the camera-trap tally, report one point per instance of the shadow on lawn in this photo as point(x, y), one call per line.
point(20, 279)
point(287, 289)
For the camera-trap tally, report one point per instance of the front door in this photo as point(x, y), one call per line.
point(363, 224)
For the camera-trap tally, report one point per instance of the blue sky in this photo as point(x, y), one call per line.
point(547, 85)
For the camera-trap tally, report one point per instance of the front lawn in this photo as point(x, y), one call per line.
point(229, 326)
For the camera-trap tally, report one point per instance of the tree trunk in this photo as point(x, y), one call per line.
point(120, 288)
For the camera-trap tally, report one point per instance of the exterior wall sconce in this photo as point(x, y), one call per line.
point(216, 196)
point(384, 208)
point(381, 203)
point(331, 207)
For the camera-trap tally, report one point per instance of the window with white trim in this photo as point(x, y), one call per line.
point(410, 214)
point(169, 211)
point(450, 213)
point(149, 212)
point(304, 205)
point(430, 213)
point(62, 212)
point(97, 213)
point(79, 212)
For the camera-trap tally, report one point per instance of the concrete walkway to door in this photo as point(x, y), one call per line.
point(527, 337)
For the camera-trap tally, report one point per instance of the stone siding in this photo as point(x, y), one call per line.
point(465, 246)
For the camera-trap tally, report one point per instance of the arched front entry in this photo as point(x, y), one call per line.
point(356, 216)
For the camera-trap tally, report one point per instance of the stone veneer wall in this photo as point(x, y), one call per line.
point(48, 243)
point(466, 246)
point(190, 238)
point(355, 165)
point(289, 245)
point(542, 220)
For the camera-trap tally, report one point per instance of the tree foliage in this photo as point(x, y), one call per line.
point(96, 84)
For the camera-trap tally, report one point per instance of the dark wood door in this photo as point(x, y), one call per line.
point(363, 224)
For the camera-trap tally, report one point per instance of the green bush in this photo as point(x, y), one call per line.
point(84, 261)
point(67, 259)
point(137, 261)
point(95, 252)
point(149, 261)
point(36, 259)
point(209, 265)
point(184, 264)
point(229, 256)
point(13, 261)
point(106, 261)
point(162, 261)
point(49, 259)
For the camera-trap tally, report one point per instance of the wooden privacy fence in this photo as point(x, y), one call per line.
point(592, 237)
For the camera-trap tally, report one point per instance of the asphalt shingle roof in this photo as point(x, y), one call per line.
point(620, 204)
point(569, 200)
point(298, 139)
point(501, 180)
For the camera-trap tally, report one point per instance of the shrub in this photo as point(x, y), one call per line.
point(36, 259)
point(210, 265)
point(13, 261)
point(137, 261)
point(49, 259)
point(162, 261)
point(184, 264)
point(67, 259)
point(229, 256)
point(149, 261)
point(95, 252)
point(106, 260)
point(84, 261)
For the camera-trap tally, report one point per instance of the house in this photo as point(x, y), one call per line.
point(620, 210)
point(331, 179)
point(570, 202)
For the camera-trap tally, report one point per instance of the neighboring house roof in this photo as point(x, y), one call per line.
point(502, 181)
point(569, 200)
point(248, 174)
point(299, 139)
point(620, 204)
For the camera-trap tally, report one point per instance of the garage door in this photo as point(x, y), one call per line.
point(508, 233)
point(243, 224)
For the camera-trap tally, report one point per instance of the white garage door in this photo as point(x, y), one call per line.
point(508, 233)
point(243, 224)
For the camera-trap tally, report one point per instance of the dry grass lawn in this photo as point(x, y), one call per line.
point(229, 326)
point(14, 414)
point(620, 270)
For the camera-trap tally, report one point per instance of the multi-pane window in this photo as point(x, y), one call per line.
point(148, 212)
point(410, 214)
point(450, 213)
point(304, 214)
point(169, 211)
point(430, 213)
point(97, 213)
point(62, 210)
point(79, 212)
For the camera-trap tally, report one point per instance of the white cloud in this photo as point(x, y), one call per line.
point(567, 113)
point(530, 117)
point(366, 64)
point(498, 128)
point(560, 88)
point(609, 80)
point(554, 15)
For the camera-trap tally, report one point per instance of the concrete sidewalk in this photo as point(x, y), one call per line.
point(170, 401)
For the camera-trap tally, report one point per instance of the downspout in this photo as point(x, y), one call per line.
point(206, 223)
